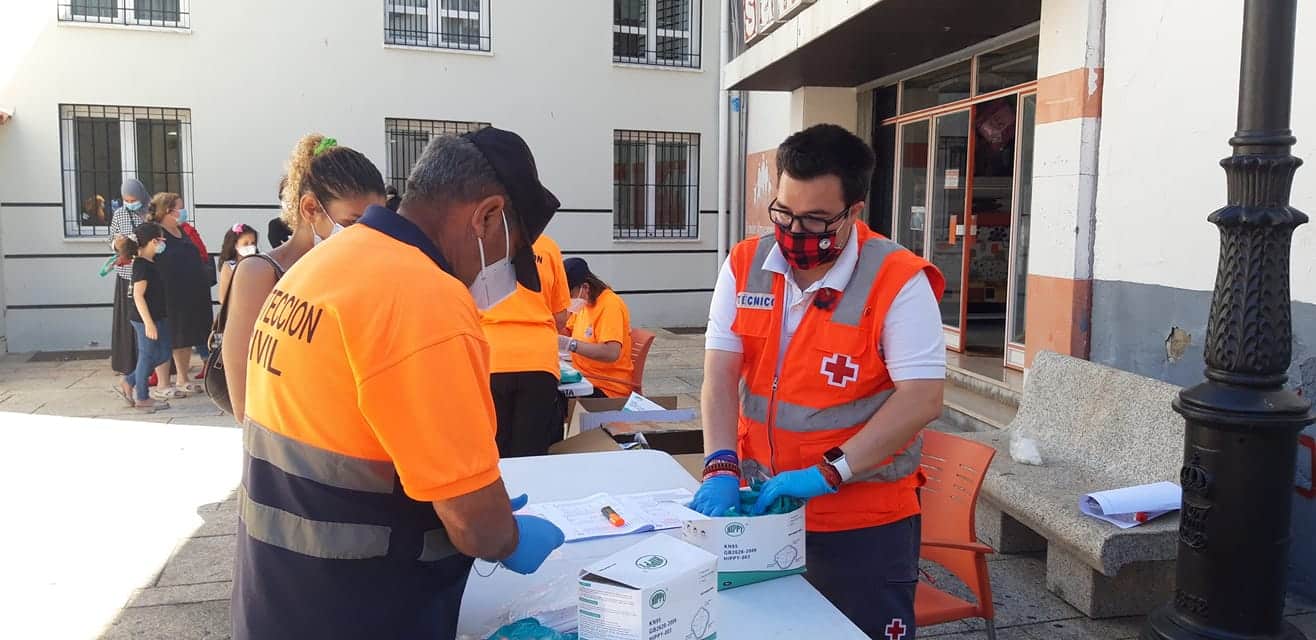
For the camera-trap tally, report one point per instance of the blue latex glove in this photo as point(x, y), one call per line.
point(537, 538)
point(716, 495)
point(519, 501)
point(802, 484)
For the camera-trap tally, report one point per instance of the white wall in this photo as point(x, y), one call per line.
point(1171, 88)
point(769, 119)
point(255, 85)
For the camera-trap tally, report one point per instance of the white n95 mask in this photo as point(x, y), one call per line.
point(495, 282)
point(576, 305)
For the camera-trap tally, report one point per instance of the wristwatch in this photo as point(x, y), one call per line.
point(571, 346)
point(836, 458)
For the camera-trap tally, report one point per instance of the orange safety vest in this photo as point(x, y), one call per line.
point(831, 380)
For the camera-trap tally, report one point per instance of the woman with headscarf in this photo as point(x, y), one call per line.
point(123, 342)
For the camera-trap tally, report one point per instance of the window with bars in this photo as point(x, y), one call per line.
point(406, 138)
point(438, 24)
point(102, 145)
point(146, 13)
point(656, 32)
point(655, 185)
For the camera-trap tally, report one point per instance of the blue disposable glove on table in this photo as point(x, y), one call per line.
point(716, 495)
point(802, 484)
point(536, 538)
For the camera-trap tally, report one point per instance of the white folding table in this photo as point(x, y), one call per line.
point(783, 608)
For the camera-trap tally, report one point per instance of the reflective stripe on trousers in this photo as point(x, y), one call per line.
point(320, 538)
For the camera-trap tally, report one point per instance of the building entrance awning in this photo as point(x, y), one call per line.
point(845, 43)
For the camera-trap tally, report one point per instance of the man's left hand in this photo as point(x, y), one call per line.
point(802, 484)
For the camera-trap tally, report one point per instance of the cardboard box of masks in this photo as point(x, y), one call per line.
point(751, 550)
point(659, 588)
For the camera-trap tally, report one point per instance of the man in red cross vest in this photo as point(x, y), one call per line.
point(825, 360)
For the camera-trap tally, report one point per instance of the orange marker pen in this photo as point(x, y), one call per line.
point(613, 517)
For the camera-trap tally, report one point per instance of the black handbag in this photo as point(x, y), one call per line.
point(215, 381)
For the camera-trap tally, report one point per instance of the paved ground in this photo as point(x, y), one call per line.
point(172, 559)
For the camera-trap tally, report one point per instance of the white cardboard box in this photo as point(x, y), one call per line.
point(753, 549)
point(659, 588)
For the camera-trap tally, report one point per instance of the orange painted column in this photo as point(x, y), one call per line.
point(1058, 313)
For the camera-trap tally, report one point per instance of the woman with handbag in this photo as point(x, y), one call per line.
point(187, 286)
point(327, 188)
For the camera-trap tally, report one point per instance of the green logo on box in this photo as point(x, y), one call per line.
point(651, 562)
point(658, 599)
point(735, 529)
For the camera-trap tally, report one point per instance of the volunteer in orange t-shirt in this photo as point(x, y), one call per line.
point(600, 330)
point(522, 332)
point(370, 477)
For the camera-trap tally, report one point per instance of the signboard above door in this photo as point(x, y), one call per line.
point(763, 16)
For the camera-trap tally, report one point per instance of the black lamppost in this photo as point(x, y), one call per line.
point(1240, 442)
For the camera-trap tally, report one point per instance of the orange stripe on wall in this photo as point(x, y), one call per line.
point(1058, 316)
point(1069, 95)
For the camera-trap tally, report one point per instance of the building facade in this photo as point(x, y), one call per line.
point(1056, 159)
point(207, 99)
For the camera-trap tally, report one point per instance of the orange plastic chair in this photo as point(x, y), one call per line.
point(641, 340)
point(954, 468)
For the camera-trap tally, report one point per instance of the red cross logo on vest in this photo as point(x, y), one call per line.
point(839, 369)
point(896, 630)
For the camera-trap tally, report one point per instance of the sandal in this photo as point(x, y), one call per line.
point(193, 387)
point(151, 406)
point(126, 392)
point(168, 393)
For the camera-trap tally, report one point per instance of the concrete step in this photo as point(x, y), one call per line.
point(984, 385)
point(969, 410)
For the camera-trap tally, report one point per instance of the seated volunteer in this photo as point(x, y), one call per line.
point(327, 187)
point(371, 474)
point(599, 332)
point(835, 333)
point(522, 333)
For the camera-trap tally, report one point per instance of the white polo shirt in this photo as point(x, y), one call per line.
point(912, 343)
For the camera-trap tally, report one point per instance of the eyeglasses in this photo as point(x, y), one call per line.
point(810, 223)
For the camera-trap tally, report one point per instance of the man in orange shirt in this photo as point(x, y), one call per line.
point(370, 476)
point(522, 332)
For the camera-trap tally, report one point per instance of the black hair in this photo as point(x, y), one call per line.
point(391, 198)
point(142, 234)
point(229, 251)
point(828, 150)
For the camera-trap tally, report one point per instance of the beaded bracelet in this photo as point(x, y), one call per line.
point(720, 472)
point(723, 454)
point(722, 465)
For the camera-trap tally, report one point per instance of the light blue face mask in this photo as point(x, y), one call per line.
point(160, 248)
point(182, 215)
point(133, 206)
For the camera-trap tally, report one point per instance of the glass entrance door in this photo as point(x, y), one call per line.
point(1014, 348)
point(950, 221)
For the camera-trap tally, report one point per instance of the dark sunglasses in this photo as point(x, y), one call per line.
point(810, 223)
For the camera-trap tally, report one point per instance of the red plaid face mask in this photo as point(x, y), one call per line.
point(805, 250)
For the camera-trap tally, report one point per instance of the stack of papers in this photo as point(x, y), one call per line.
point(1132, 506)
point(583, 519)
